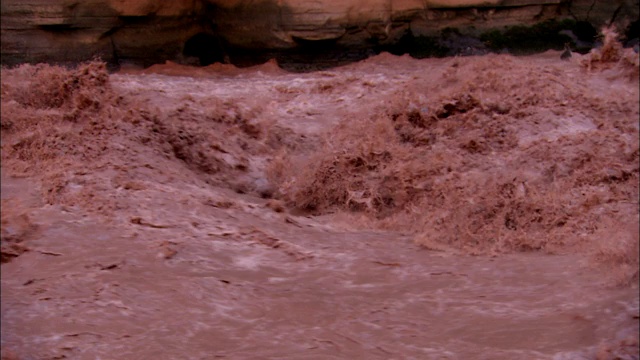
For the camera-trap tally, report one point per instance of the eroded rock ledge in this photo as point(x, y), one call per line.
point(249, 31)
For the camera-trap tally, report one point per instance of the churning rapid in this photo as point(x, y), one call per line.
point(479, 207)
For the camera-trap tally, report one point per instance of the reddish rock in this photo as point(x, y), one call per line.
point(147, 32)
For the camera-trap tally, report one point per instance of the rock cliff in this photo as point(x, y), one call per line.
point(206, 31)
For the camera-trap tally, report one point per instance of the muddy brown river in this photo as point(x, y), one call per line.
point(153, 223)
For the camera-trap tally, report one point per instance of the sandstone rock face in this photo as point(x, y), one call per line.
point(148, 31)
point(69, 31)
point(281, 23)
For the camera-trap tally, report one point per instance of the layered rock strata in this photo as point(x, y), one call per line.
point(206, 31)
